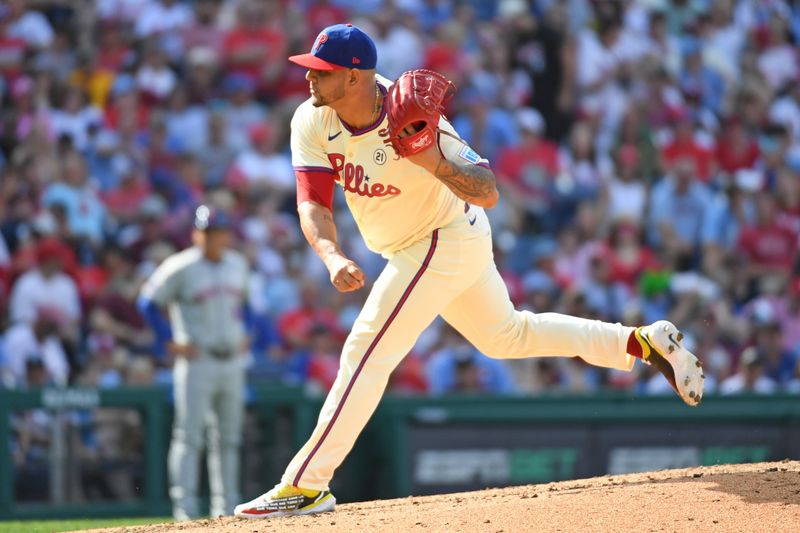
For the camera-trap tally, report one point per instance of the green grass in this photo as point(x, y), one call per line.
point(50, 526)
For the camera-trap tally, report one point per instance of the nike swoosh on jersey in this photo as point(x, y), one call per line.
point(332, 137)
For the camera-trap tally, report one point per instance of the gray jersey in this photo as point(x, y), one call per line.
point(204, 299)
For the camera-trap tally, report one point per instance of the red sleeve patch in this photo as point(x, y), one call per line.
point(315, 184)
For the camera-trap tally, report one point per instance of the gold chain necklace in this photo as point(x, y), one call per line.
point(377, 104)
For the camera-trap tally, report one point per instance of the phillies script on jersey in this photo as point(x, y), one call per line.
point(354, 179)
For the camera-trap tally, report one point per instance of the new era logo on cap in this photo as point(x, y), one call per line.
point(337, 47)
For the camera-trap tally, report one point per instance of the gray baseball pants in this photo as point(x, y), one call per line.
point(209, 395)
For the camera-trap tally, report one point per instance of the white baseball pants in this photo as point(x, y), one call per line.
point(452, 274)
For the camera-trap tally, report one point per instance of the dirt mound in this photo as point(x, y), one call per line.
point(747, 498)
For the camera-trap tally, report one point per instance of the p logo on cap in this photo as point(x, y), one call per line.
point(338, 47)
point(321, 38)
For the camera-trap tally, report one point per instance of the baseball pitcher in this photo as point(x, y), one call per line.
point(203, 289)
point(418, 194)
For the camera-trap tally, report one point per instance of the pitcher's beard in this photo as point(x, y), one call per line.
point(320, 101)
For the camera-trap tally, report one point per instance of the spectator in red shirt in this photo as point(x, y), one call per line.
point(735, 149)
point(685, 146)
point(627, 255)
point(149, 228)
point(295, 326)
point(322, 13)
point(124, 201)
point(125, 111)
point(255, 47)
point(409, 376)
point(12, 49)
point(113, 314)
point(446, 55)
point(203, 32)
point(769, 247)
point(527, 170)
point(323, 364)
point(787, 191)
point(113, 52)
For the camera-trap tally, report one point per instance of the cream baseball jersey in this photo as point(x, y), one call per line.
point(394, 202)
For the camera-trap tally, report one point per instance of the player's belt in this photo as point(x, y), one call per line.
point(220, 353)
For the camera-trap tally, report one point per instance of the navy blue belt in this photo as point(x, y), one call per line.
point(220, 353)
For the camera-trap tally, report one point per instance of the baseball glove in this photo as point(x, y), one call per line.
point(415, 103)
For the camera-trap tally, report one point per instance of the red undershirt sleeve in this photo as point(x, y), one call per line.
point(315, 184)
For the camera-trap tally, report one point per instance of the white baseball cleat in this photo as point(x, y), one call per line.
point(661, 342)
point(286, 500)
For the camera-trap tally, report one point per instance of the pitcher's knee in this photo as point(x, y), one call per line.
point(188, 439)
point(500, 352)
point(509, 343)
point(499, 348)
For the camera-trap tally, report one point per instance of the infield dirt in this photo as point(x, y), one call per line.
point(762, 497)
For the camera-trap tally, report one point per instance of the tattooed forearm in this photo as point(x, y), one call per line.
point(471, 183)
point(318, 226)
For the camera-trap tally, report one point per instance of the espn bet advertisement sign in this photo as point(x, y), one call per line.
point(458, 457)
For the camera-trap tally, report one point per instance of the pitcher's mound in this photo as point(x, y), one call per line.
point(747, 498)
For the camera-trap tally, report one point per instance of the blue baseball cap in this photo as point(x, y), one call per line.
point(208, 218)
point(337, 47)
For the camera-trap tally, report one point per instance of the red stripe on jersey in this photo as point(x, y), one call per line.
point(315, 184)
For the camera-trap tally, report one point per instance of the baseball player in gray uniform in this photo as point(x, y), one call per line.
point(203, 290)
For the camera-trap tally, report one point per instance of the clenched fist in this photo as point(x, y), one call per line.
point(346, 275)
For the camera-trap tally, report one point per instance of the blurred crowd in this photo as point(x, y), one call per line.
point(647, 152)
